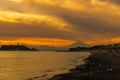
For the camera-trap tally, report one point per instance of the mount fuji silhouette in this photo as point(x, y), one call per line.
point(52, 48)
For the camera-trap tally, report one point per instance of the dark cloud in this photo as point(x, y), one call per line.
point(82, 20)
point(115, 1)
point(112, 1)
point(31, 31)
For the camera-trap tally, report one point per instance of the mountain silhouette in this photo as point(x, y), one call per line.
point(77, 44)
point(52, 48)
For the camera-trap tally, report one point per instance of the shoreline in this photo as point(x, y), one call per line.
point(75, 74)
point(82, 74)
point(103, 66)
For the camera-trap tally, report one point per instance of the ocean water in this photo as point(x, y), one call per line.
point(28, 65)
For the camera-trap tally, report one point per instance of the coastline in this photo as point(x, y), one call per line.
point(104, 66)
point(75, 74)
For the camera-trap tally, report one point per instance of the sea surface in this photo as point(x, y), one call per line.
point(37, 65)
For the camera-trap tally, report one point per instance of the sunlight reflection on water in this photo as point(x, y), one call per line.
point(37, 65)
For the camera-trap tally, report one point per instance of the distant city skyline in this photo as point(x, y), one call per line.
point(59, 22)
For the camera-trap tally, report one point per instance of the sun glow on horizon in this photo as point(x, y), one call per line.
point(37, 42)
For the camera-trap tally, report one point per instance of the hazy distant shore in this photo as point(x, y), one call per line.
point(101, 65)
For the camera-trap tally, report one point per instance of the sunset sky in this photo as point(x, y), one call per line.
point(59, 22)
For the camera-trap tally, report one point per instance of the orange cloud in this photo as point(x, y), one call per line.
point(102, 41)
point(18, 1)
point(14, 17)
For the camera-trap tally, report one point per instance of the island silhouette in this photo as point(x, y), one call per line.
point(16, 48)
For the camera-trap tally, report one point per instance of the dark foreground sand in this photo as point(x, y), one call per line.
point(98, 66)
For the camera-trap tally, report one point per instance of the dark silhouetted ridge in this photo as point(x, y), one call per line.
point(16, 48)
point(113, 47)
